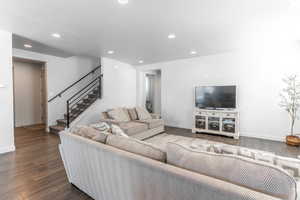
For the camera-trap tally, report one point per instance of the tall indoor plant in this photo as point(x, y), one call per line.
point(290, 101)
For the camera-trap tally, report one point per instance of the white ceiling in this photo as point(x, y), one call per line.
point(137, 30)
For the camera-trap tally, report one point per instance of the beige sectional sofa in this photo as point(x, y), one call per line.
point(135, 122)
point(120, 168)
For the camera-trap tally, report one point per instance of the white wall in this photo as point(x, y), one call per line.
point(257, 73)
point(61, 72)
point(6, 94)
point(119, 90)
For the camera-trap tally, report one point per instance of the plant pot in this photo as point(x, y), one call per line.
point(292, 140)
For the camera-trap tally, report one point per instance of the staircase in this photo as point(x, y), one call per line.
point(81, 100)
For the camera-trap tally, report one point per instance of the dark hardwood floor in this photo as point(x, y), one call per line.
point(35, 170)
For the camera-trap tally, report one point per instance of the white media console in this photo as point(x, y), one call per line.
point(221, 122)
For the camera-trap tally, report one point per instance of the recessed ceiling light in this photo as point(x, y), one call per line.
point(27, 46)
point(123, 2)
point(110, 52)
point(193, 52)
point(172, 36)
point(141, 61)
point(116, 66)
point(56, 35)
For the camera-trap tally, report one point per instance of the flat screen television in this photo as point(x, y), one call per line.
point(215, 97)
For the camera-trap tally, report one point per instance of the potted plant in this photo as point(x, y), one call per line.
point(290, 101)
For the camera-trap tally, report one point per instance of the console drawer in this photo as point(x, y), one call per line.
point(213, 114)
point(229, 115)
point(201, 113)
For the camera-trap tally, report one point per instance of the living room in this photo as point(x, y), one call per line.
point(137, 104)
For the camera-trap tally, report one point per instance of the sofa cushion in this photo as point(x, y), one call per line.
point(132, 128)
point(142, 113)
point(116, 130)
point(136, 146)
point(119, 114)
point(153, 123)
point(132, 113)
point(91, 133)
point(259, 176)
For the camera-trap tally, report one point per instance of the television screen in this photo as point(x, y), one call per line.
point(215, 97)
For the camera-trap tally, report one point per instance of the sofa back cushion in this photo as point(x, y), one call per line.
point(119, 114)
point(136, 146)
point(91, 133)
point(246, 172)
point(143, 114)
point(132, 113)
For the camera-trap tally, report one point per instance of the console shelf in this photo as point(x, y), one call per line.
point(221, 122)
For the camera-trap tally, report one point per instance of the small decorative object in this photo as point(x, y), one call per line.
point(290, 101)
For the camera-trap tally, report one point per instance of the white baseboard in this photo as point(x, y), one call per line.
point(252, 135)
point(7, 149)
point(260, 136)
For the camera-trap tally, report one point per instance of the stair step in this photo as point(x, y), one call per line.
point(87, 100)
point(76, 111)
point(56, 129)
point(92, 96)
point(82, 105)
point(61, 122)
point(96, 91)
point(72, 116)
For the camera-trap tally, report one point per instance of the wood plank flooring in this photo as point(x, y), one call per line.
point(35, 170)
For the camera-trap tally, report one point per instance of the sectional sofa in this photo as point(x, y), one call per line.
point(136, 122)
point(120, 168)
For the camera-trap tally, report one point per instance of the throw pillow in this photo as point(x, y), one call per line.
point(116, 130)
point(119, 114)
point(248, 153)
point(101, 126)
point(265, 157)
point(200, 147)
point(292, 166)
point(228, 149)
point(143, 114)
point(91, 133)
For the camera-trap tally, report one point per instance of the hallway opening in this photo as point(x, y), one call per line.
point(30, 93)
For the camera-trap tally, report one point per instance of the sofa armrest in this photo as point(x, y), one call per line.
point(155, 116)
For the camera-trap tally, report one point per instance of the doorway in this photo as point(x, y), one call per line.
point(153, 91)
point(30, 97)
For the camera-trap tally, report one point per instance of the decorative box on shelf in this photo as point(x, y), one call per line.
point(220, 122)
